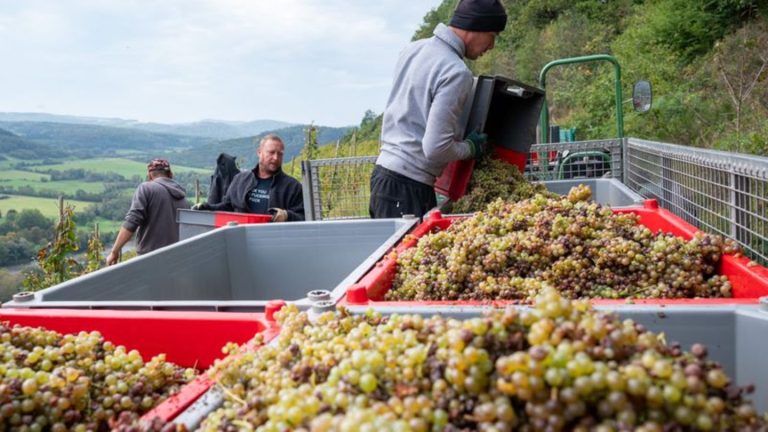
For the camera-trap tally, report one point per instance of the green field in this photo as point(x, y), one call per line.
point(18, 179)
point(22, 175)
point(125, 167)
point(105, 225)
point(10, 162)
point(47, 206)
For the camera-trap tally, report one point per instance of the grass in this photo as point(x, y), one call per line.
point(9, 162)
point(105, 225)
point(49, 207)
point(23, 175)
point(18, 179)
point(362, 148)
point(125, 167)
point(344, 189)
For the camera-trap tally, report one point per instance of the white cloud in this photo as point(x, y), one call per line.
point(183, 60)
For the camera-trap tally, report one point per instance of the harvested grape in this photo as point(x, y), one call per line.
point(554, 367)
point(50, 381)
point(494, 179)
point(585, 250)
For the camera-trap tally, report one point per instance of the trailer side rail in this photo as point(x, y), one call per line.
point(339, 188)
point(718, 192)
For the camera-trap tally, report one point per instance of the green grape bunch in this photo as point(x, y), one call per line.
point(495, 179)
point(559, 366)
point(585, 250)
point(54, 382)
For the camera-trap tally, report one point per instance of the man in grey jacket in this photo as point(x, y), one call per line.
point(421, 129)
point(153, 212)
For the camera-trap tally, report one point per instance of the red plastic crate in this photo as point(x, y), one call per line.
point(222, 218)
point(176, 404)
point(454, 180)
point(512, 157)
point(749, 282)
point(189, 338)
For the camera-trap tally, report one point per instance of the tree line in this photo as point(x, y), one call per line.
point(23, 233)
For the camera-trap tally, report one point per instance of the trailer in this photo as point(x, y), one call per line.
point(230, 273)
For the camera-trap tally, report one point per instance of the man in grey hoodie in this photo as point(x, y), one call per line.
point(421, 129)
point(153, 212)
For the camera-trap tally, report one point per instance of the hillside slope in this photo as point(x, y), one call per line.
point(83, 140)
point(707, 63)
point(12, 145)
point(218, 129)
point(245, 148)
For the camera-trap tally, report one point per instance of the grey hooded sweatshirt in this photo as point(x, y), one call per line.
point(422, 130)
point(153, 213)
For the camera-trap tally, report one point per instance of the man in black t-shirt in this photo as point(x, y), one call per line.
point(258, 198)
point(266, 188)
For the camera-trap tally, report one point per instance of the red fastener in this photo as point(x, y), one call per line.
point(357, 294)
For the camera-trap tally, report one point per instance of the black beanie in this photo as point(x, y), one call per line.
point(479, 16)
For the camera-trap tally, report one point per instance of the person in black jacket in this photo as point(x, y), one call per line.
point(226, 170)
point(266, 189)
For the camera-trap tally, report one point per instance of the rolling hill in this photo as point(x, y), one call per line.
point(12, 145)
point(214, 128)
point(218, 129)
point(50, 142)
point(245, 148)
point(84, 140)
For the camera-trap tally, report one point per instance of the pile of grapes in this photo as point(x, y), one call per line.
point(580, 247)
point(558, 366)
point(81, 382)
point(493, 179)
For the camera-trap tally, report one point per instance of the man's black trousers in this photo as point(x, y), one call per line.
point(394, 195)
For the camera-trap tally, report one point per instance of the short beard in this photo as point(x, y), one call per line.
point(267, 171)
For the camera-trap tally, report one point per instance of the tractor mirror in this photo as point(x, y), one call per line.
point(642, 96)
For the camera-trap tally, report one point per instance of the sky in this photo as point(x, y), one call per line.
point(174, 61)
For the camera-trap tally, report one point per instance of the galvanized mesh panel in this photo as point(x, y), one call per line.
point(718, 192)
point(571, 160)
point(339, 188)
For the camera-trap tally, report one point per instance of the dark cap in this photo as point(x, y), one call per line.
point(479, 16)
point(159, 165)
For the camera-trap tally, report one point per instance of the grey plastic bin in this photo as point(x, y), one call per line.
point(236, 268)
point(733, 336)
point(196, 222)
point(193, 222)
point(605, 191)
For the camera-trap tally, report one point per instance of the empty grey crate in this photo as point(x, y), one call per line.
point(605, 191)
point(193, 222)
point(233, 268)
point(733, 336)
point(196, 222)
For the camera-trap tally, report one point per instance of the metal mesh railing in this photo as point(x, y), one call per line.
point(718, 192)
point(337, 188)
point(570, 160)
point(340, 188)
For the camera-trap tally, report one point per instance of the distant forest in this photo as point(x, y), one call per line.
point(46, 142)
